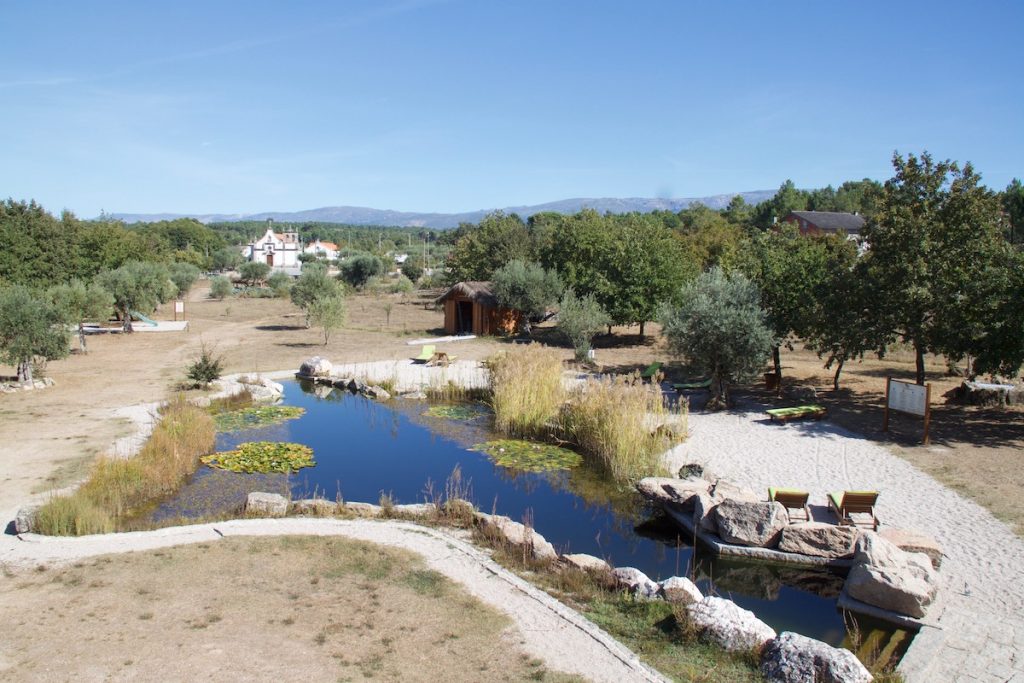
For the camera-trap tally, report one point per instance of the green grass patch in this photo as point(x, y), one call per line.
point(461, 412)
point(255, 416)
point(263, 456)
point(528, 456)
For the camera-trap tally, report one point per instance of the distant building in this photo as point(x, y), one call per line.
point(327, 250)
point(280, 251)
point(401, 258)
point(472, 308)
point(826, 222)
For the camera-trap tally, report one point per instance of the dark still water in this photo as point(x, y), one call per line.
point(363, 449)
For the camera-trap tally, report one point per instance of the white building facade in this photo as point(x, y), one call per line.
point(280, 251)
point(327, 250)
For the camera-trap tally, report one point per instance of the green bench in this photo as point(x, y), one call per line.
point(651, 370)
point(796, 413)
point(692, 386)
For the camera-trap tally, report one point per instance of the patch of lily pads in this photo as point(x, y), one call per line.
point(255, 416)
point(263, 456)
point(462, 412)
point(528, 456)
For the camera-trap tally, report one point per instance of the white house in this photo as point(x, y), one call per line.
point(280, 251)
point(327, 250)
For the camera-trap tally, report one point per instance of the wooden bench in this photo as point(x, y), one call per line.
point(845, 504)
point(791, 499)
point(796, 413)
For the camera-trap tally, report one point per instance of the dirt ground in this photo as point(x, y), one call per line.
point(312, 608)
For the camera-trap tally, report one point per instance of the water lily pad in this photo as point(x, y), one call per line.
point(255, 416)
point(263, 456)
point(528, 456)
point(464, 412)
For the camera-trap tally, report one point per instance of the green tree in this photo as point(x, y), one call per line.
point(280, 283)
point(328, 313)
point(254, 272)
point(37, 250)
point(1013, 206)
point(31, 329)
point(136, 286)
point(77, 302)
point(226, 258)
point(357, 270)
point(580, 318)
point(482, 249)
point(935, 245)
point(220, 287)
point(412, 270)
point(526, 287)
point(313, 284)
point(183, 275)
point(999, 348)
point(719, 327)
point(787, 199)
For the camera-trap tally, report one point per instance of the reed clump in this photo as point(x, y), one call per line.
point(620, 421)
point(117, 487)
point(527, 392)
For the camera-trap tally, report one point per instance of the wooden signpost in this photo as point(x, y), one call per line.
point(907, 397)
point(179, 307)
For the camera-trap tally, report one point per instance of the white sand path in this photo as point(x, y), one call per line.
point(980, 634)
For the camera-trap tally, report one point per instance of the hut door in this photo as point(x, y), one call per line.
point(464, 317)
point(270, 259)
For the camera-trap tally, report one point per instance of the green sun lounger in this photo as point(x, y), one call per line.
point(651, 370)
point(845, 504)
point(426, 354)
point(692, 386)
point(796, 413)
point(791, 499)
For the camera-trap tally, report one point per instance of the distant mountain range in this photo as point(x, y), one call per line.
point(358, 215)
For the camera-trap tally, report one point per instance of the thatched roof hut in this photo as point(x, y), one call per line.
point(470, 307)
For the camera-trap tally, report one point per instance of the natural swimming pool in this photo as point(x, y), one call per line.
point(364, 449)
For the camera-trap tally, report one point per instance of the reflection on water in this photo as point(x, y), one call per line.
point(363, 449)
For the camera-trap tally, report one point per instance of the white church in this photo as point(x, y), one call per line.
point(279, 250)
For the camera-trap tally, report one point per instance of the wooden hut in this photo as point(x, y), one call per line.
point(472, 308)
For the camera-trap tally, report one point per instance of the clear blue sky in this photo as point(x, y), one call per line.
point(452, 106)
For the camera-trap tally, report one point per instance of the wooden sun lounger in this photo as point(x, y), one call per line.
point(791, 499)
point(845, 504)
point(796, 413)
point(692, 386)
point(426, 354)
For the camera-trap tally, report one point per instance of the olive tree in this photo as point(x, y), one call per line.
point(579, 319)
point(357, 270)
point(313, 284)
point(183, 275)
point(254, 272)
point(137, 286)
point(328, 313)
point(720, 328)
point(526, 287)
point(220, 287)
point(31, 328)
point(78, 301)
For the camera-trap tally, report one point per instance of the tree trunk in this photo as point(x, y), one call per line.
point(919, 352)
point(81, 339)
point(25, 371)
point(839, 369)
point(609, 330)
point(641, 329)
point(777, 360)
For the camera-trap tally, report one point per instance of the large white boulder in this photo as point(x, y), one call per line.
point(680, 590)
point(636, 582)
point(315, 367)
point(751, 524)
point(890, 578)
point(266, 504)
point(792, 658)
point(703, 513)
point(666, 490)
point(518, 534)
point(586, 563)
point(914, 542)
point(728, 625)
point(819, 539)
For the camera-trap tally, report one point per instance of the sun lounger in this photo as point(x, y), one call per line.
point(848, 503)
point(692, 386)
point(651, 370)
point(796, 413)
point(791, 499)
point(425, 355)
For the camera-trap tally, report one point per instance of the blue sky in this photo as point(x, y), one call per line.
point(451, 106)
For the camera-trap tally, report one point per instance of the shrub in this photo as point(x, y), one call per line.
point(183, 275)
point(358, 269)
point(280, 283)
point(254, 272)
point(579, 319)
point(221, 287)
point(402, 285)
point(527, 391)
point(206, 368)
point(412, 269)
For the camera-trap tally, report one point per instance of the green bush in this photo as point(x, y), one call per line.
point(220, 287)
point(357, 270)
point(280, 284)
point(579, 319)
point(206, 368)
point(412, 269)
point(183, 275)
point(254, 272)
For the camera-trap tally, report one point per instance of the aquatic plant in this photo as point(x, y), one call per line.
point(527, 391)
point(255, 416)
point(528, 456)
point(463, 412)
point(263, 456)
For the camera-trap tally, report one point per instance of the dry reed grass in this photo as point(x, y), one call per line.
point(527, 392)
point(116, 487)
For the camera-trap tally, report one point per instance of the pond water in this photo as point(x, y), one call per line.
point(363, 449)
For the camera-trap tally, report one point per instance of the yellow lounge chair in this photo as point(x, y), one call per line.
point(791, 499)
point(425, 355)
point(848, 503)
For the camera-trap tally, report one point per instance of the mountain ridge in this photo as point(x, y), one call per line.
point(362, 215)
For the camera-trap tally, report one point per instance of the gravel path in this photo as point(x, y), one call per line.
point(980, 634)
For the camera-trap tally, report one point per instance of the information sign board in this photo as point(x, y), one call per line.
point(907, 397)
